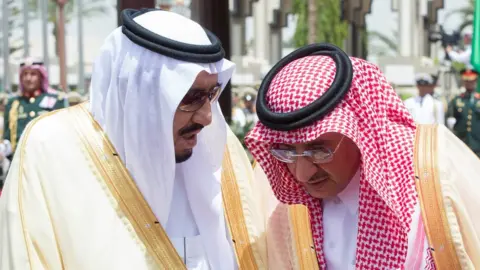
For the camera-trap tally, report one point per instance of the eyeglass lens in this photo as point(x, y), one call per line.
point(196, 98)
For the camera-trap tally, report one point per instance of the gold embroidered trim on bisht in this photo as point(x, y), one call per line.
point(13, 123)
point(122, 187)
point(429, 191)
point(306, 257)
point(235, 217)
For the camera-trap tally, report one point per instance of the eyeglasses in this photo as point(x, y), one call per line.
point(196, 98)
point(319, 155)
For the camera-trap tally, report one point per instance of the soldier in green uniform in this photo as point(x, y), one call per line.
point(35, 97)
point(465, 108)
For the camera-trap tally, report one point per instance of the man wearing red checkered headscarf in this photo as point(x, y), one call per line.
point(35, 97)
point(382, 193)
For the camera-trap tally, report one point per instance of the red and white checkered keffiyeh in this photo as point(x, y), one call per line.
point(374, 117)
point(29, 63)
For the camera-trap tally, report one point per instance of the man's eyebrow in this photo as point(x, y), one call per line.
point(320, 142)
point(197, 88)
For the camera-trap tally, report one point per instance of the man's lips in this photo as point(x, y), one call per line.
point(318, 180)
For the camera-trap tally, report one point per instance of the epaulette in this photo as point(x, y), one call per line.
point(12, 98)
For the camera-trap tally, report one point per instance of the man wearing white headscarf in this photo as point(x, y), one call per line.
point(108, 185)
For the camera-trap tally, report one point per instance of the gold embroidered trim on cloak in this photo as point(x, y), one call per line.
point(13, 123)
point(21, 154)
point(429, 191)
point(122, 187)
point(235, 216)
point(306, 256)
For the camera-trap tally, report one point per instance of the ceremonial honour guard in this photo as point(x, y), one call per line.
point(465, 109)
point(35, 98)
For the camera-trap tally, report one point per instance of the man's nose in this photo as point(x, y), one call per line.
point(304, 169)
point(204, 115)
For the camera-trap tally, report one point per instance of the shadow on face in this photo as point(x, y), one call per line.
point(425, 89)
point(470, 85)
point(31, 80)
point(323, 180)
point(193, 114)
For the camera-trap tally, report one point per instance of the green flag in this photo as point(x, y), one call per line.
point(475, 58)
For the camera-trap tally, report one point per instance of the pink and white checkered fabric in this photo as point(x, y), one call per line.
point(374, 117)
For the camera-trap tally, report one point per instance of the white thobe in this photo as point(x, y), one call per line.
point(340, 225)
point(426, 110)
point(462, 57)
point(183, 231)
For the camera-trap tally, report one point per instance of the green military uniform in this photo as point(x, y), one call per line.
point(465, 108)
point(20, 110)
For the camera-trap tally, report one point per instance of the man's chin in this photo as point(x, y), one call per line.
point(182, 157)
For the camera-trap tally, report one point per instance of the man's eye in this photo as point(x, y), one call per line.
point(284, 147)
point(192, 97)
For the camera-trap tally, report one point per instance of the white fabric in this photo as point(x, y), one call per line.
point(238, 116)
point(425, 77)
point(192, 252)
point(462, 57)
point(134, 95)
point(451, 122)
point(428, 111)
point(60, 215)
point(5, 148)
point(417, 253)
point(183, 231)
point(181, 222)
point(459, 182)
point(340, 223)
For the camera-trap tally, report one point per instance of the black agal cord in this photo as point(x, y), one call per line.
point(168, 47)
point(320, 107)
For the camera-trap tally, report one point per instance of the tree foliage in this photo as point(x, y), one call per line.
point(14, 22)
point(90, 8)
point(329, 27)
point(384, 45)
point(466, 14)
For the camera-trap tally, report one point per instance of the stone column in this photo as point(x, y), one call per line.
point(276, 45)
point(238, 36)
point(405, 27)
point(261, 30)
point(136, 4)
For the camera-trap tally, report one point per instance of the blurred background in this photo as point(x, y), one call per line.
point(402, 37)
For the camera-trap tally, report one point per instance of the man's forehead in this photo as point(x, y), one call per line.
point(31, 70)
point(324, 138)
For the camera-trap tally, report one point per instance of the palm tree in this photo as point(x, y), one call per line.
point(389, 44)
point(319, 21)
point(15, 21)
point(312, 21)
point(90, 8)
point(466, 13)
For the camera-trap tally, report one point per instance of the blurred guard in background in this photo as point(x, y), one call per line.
point(35, 98)
point(425, 107)
point(464, 112)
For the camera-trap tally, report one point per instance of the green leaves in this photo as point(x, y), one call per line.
point(329, 27)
